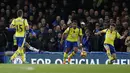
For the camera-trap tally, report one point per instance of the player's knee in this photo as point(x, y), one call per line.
point(114, 56)
point(67, 50)
point(75, 49)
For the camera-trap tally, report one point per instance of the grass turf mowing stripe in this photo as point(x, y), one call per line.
point(53, 68)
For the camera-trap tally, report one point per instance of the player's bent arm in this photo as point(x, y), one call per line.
point(80, 38)
point(27, 28)
point(62, 38)
point(122, 37)
point(80, 35)
point(12, 24)
point(80, 45)
point(65, 33)
point(26, 24)
point(127, 41)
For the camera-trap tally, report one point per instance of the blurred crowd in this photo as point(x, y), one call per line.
point(49, 19)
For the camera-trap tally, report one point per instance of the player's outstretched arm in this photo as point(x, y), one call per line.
point(98, 33)
point(127, 43)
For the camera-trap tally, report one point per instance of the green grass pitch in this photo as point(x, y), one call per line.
point(59, 68)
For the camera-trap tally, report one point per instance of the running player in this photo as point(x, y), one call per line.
point(22, 27)
point(111, 35)
point(73, 34)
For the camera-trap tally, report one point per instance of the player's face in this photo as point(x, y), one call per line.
point(112, 28)
point(74, 24)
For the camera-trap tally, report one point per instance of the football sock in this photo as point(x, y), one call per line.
point(15, 42)
point(65, 56)
point(33, 49)
point(72, 54)
point(109, 55)
point(17, 52)
point(22, 55)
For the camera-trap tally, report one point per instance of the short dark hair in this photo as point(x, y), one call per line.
point(113, 24)
point(19, 13)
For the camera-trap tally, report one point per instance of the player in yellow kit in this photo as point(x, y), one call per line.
point(73, 34)
point(111, 35)
point(21, 26)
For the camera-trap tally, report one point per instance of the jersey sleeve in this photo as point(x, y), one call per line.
point(104, 31)
point(118, 35)
point(80, 32)
point(26, 22)
point(67, 30)
point(13, 22)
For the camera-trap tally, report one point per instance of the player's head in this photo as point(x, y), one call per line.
point(74, 24)
point(20, 13)
point(112, 26)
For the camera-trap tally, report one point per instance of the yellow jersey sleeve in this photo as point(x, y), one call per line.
point(13, 22)
point(80, 32)
point(118, 35)
point(67, 30)
point(25, 22)
point(104, 31)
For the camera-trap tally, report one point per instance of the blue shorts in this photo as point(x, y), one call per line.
point(20, 41)
point(70, 45)
point(112, 48)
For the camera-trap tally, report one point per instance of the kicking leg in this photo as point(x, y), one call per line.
point(17, 52)
point(75, 47)
point(66, 55)
point(31, 48)
point(107, 47)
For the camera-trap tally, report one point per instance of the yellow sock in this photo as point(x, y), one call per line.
point(109, 55)
point(15, 41)
point(72, 54)
point(22, 55)
point(17, 52)
point(65, 56)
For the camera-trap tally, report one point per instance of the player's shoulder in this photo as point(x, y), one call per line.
point(78, 28)
point(14, 19)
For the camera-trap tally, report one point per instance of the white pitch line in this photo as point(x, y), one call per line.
point(30, 68)
point(27, 68)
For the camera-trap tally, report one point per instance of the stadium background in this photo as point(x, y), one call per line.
point(49, 18)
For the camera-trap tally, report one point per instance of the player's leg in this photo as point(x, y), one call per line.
point(17, 52)
point(22, 49)
point(31, 48)
point(75, 47)
point(108, 51)
point(113, 52)
point(14, 40)
point(66, 51)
